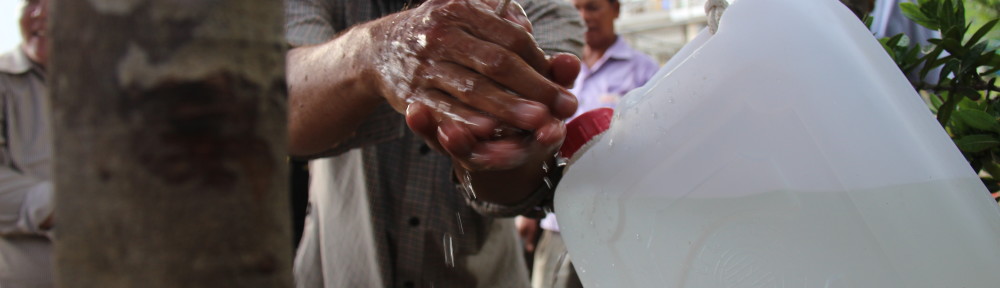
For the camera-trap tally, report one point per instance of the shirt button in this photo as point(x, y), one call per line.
point(424, 149)
point(414, 221)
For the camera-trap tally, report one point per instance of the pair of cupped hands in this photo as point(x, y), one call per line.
point(474, 84)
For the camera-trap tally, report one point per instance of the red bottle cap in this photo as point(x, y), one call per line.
point(581, 129)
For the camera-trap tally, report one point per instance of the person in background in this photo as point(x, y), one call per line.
point(26, 202)
point(401, 102)
point(609, 70)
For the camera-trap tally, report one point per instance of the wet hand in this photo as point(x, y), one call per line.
point(469, 71)
point(485, 143)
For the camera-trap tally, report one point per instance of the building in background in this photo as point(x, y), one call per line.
point(660, 28)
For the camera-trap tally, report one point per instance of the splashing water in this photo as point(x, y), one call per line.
point(467, 185)
point(449, 251)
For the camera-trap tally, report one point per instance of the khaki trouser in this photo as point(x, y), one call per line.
point(553, 268)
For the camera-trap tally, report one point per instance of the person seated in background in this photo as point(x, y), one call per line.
point(609, 70)
point(26, 203)
point(396, 106)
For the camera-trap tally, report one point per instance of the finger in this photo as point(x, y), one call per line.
point(455, 139)
point(478, 155)
point(552, 134)
point(512, 31)
point(483, 94)
point(504, 154)
point(515, 13)
point(511, 72)
point(421, 121)
point(439, 107)
point(565, 68)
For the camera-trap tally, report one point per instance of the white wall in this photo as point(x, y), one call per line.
point(10, 11)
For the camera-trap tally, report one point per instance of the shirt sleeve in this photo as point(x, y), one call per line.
point(307, 22)
point(25, 203)
point(556, 26)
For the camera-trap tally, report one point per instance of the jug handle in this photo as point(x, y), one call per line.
point(714, 9)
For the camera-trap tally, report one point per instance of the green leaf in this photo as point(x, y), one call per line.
point(982, 31)
point(935, 101)
point(960, 14)
point(969, 93)
point(910, 59)
point(967, 104)
point(894, 41)
point(971, 58)
point(913, 12)
point(944, 10)
point(932, 60)
point(888, 49)
point(952, 45)
point(948, 68)
point(978, 119)
point(987, 59)
point(977, 143)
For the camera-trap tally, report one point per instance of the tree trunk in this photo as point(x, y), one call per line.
point(169, 127)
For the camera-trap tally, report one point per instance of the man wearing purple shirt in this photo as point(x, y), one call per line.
point(609, 70)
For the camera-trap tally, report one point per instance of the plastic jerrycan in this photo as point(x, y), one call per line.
point(786, 150)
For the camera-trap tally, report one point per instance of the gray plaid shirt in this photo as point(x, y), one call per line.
point(414, 208)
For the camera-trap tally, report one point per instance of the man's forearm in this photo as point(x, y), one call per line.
point(329, 90)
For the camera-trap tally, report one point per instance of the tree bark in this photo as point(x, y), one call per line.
point(170, 143)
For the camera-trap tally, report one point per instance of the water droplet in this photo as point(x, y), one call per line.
point(461, 228)
point(655, 115)
point(612, 265)
point(648, 242)
point(611, 142)
point(636, 236)
point(449, 251)
point(670, 100)
point(467, 185)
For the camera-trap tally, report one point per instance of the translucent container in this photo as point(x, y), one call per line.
point(787, 150)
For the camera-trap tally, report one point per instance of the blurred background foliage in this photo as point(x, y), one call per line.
point(957, 75)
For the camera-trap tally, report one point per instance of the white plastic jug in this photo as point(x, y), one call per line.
point(787, 150)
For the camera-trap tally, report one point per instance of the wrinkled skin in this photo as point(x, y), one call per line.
point(454, 67)
point(458, 72)
point(461, 81)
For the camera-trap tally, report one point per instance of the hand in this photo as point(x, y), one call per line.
point(527, 228)
point(475, 149)
point(48, 223)
point(460, 72)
